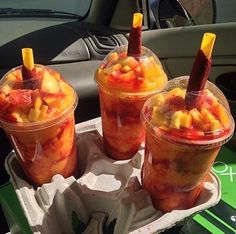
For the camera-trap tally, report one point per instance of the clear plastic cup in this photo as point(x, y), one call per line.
point(41, 130)
point(178, 160)
point(125, 83)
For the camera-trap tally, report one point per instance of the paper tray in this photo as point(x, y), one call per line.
point(107, 196)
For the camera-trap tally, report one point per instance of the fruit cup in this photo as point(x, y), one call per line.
point(125, 83)
point(182, 144)
point(37, 115)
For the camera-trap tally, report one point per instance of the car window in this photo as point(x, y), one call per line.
point(202, 11)
point(79, 7)
point(175, 13)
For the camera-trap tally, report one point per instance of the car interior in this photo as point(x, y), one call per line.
point(75, 46)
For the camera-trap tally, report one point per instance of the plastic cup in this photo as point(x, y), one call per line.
point(125, 83)
point(178, 161)
point(44, 147)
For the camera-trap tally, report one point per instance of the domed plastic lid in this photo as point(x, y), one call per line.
point(41, 99)
point(123, 73)
point(208, 124)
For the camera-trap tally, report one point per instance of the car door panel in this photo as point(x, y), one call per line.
point(177, 47)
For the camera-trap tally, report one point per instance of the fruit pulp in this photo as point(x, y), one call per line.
point(125, 83)
point(174, 174)
point(38, 116)
point(123, 131)
point(181, 143)
point(47, 152)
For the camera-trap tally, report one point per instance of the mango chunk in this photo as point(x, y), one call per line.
point(125, 68)
point(196, 116)
point(220, 112)
point(176, 92)
point(176, 120)
point(216, 125)
point(207, 116)
point(180, 119)
point(49, 83)
point(113, 57)
point(20, 117)
point(186, 120)
point(129, 61)
point(38, 103)
point(159, 118)
point(127, 76)
point(159, 100)
point(111, 60)
point(33, 115)
point(113, 68)
point(43, 113)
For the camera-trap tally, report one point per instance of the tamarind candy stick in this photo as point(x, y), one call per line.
point(135, 36)
point(200, 71)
